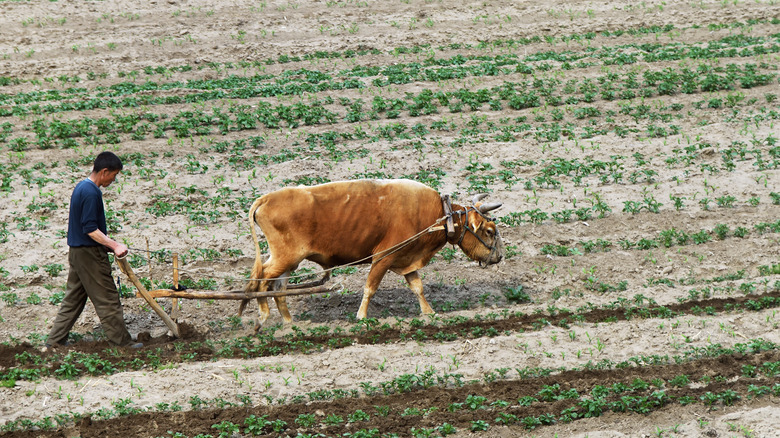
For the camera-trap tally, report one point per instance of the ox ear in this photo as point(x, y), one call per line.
point(476, 222)
point(484, 208)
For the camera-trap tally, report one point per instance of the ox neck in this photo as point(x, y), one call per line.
point(459, 220)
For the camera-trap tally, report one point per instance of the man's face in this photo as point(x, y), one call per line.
point(106, 177)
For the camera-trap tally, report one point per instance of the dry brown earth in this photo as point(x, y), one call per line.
point(719, 144)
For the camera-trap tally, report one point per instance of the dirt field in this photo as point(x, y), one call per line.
point(633, 145)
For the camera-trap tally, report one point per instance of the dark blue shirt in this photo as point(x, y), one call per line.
point(87, 214)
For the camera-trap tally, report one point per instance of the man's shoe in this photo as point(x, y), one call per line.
point(49, 347)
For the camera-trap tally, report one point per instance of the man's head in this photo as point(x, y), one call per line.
point(105, 168)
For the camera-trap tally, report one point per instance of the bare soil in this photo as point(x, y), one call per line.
point(696, 296)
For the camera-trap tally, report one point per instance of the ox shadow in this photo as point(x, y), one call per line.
point(401, 302)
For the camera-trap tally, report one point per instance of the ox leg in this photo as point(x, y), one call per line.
point(262, 303)
point(263, 311)
point(372, 284)
point(281, 302)
point(242, 307)
point(415, 284)
point(252, 285)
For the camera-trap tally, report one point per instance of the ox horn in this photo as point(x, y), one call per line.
point(478, 198)
point(484, 208)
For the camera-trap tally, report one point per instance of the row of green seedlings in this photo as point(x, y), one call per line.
point(588, 89)
point(649, 203)
point(618, 397)
point(669, 81)
point(238, 160)
point(402, 384)
point(556, 132)
point(481, 178)
point(612, 170)
point(709, 290)
point(74, 363)
point(197, 122)
point(705, 292)
point(30, 179)
point(410, 382)
point(622, 308)
point(453, 67)
point(666, 239)
point(164, 71)
point(137, 260)
point(607, 171)
point(167, 72)
point(241, 117)
point(426, 49)
point(328, 140)
point(737, 151)
point(348, 54)
point(12, 299)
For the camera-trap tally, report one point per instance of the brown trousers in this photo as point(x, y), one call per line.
point(90, 277)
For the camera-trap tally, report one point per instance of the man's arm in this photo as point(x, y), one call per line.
point(119, 249)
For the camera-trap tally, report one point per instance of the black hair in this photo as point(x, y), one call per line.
point(107, 160)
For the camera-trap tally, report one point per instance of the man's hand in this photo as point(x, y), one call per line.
point(119, 249)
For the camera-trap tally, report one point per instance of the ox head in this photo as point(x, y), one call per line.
point(480, 239)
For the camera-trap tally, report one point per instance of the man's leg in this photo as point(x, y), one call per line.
point(95, 274)
point(71, 307)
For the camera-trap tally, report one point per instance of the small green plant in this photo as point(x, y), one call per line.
point(56, 298)
point(721, 231)
point(448, 254)
point(53, 269)
point(479, 426)
point(306, 420)
point(10, 299)
point(517, 294)
point(226, 429)
point(358, 415)
point(33, 299)
point(28, 269)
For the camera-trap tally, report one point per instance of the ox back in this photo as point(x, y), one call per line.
point(342, 222)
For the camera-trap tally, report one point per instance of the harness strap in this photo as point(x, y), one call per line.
point(450, 226)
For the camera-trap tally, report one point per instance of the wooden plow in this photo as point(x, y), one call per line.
point(172, 320)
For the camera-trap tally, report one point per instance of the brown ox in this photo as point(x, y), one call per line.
point(364, 221)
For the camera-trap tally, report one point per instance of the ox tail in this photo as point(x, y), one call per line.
point(257, 270)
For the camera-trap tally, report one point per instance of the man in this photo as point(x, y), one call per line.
point(90, 270)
